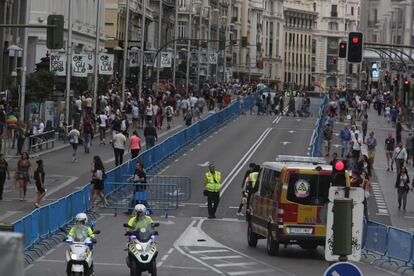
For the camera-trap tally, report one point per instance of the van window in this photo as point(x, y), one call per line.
point(268, 182)
point(309, 189)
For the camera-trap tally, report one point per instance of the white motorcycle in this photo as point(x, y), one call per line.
point(79, 256)
point(142, 251)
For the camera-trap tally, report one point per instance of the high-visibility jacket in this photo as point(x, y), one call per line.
point(213, 182)
point(253, 179)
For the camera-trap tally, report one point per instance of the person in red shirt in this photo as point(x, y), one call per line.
point(134, 144)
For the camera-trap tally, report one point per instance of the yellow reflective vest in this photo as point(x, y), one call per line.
point(213, 183)
point(253, 179)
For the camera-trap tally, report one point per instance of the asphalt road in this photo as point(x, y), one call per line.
point(191, 244)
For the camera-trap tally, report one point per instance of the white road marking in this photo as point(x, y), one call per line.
point(235, 264)
point(221, 257)
point(61, 186)
point(185, 267)
point(285, 143)
point(243, 161)
point(205, 164)
point(192, 149)
point(208, 251)
point(170, 250)
point(9, 214)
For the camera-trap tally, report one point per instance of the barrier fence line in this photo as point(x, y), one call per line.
point(51, 218)
point(317, 139)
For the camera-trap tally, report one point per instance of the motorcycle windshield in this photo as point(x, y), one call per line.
point(144, 234)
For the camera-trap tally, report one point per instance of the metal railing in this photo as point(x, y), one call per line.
point(39, 142)
point(48, 219)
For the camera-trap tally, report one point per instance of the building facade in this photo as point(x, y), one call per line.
point(300, 24)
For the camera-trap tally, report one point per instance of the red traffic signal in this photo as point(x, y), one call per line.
point(406, 82)
point(339, 165)
point(342, 49)
point(396, 79)
point(355, 47)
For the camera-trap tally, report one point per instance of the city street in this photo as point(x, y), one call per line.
point(190, 243)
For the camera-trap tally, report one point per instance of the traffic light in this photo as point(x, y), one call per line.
point(338, 174)
point(342, 49)
point(54, 39)
point(355, 47)
point(342, 226)
point(407, 85)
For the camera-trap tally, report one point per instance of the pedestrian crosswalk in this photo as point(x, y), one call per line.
point(379, 199)
point(229, 261)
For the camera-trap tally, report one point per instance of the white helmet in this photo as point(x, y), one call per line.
point(140, 208)
point(82, 217)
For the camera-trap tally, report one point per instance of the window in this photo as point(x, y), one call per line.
point(109, 23)
point(314, 6)
point(182, 29)
point(269, 179)
point(333, 26)
point(309, 189)
point(334, 11)
point(352, 10)
point(181, 3)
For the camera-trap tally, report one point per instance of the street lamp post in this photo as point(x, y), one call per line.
point(24, 63)
point(175, 41)
point(98, 34)
point(208, 43)
point(124, 64)
point(187, 82)
point(159, 46)
point(68, 62)
point(141, 62)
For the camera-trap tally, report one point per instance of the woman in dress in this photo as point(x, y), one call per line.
point(24, 171)
point(98, 178)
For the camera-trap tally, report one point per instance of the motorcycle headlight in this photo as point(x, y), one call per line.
point(139, 247)
point(73, 256)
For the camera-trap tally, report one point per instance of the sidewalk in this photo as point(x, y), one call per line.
point(382, 205)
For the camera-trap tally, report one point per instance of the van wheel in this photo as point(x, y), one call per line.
point(272, 245)
point(251, 236)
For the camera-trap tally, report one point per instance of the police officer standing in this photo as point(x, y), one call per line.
point(251, 184)
point(212, 185)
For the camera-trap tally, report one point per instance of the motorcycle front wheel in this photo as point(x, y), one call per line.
point(134, 269)
point(154, 267)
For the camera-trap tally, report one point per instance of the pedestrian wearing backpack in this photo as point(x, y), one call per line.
point(345, 136)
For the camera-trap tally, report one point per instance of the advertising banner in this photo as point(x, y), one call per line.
point(166, 60)
point(106, 64)
point(58, 63)
point(79, 66)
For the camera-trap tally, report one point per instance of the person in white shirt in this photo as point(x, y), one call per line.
point(73, 136)
point(41, 128)
point(102, 121)
point(119, 143)
point(135, 116)
point(400, 156)
point(356, 146)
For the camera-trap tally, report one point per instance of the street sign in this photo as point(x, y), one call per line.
point(357, 194)
point(343, 269)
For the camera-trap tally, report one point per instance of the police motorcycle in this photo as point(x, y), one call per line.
point(79, 256)
point(142, 250)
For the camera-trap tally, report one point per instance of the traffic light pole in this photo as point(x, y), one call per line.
point(68, 62)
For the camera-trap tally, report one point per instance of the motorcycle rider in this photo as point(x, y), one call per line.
point(81, 231)
point(140, 220)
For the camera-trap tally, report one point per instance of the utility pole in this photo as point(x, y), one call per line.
point(159, 45)
point(208, 43)
point(24, 65)
point(126, 38)
point(189, 48)
point(198, 50)
point(175, 41)
point(95, 73)
point(141, 63)
point(68, 62)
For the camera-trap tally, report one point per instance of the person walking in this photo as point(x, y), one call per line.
point(356, 146)
point(327, 136)
point(371, 145)
point(98, 178)
point(400, 156)
point(73, 136)
point(212, 186)
point(345, 136)
point(409, 147)
point(135, 115)
point(103, 123)
point(134, 144)
point(139, 178)
point(169, 113)
point(389, 151)
point(24, 171)
point(364, 124)
point(119, 143)
point(39, 177)
point(244, 189)
point(402, 186)
point(87, 131)
point(398, 130)
point(4, 170)
point(150, 134)
point(21, 134)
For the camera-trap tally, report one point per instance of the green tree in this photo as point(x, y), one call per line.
point(40, 85)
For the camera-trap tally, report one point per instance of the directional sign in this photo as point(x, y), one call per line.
point(357, 194)
point(285, 143)
point(343, 269)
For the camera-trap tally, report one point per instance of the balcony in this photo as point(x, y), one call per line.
point(334, 14)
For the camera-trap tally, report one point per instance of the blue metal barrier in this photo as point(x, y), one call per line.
point(317, 139)
point(50, 218)
point(398, 247)
point(376, 239)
